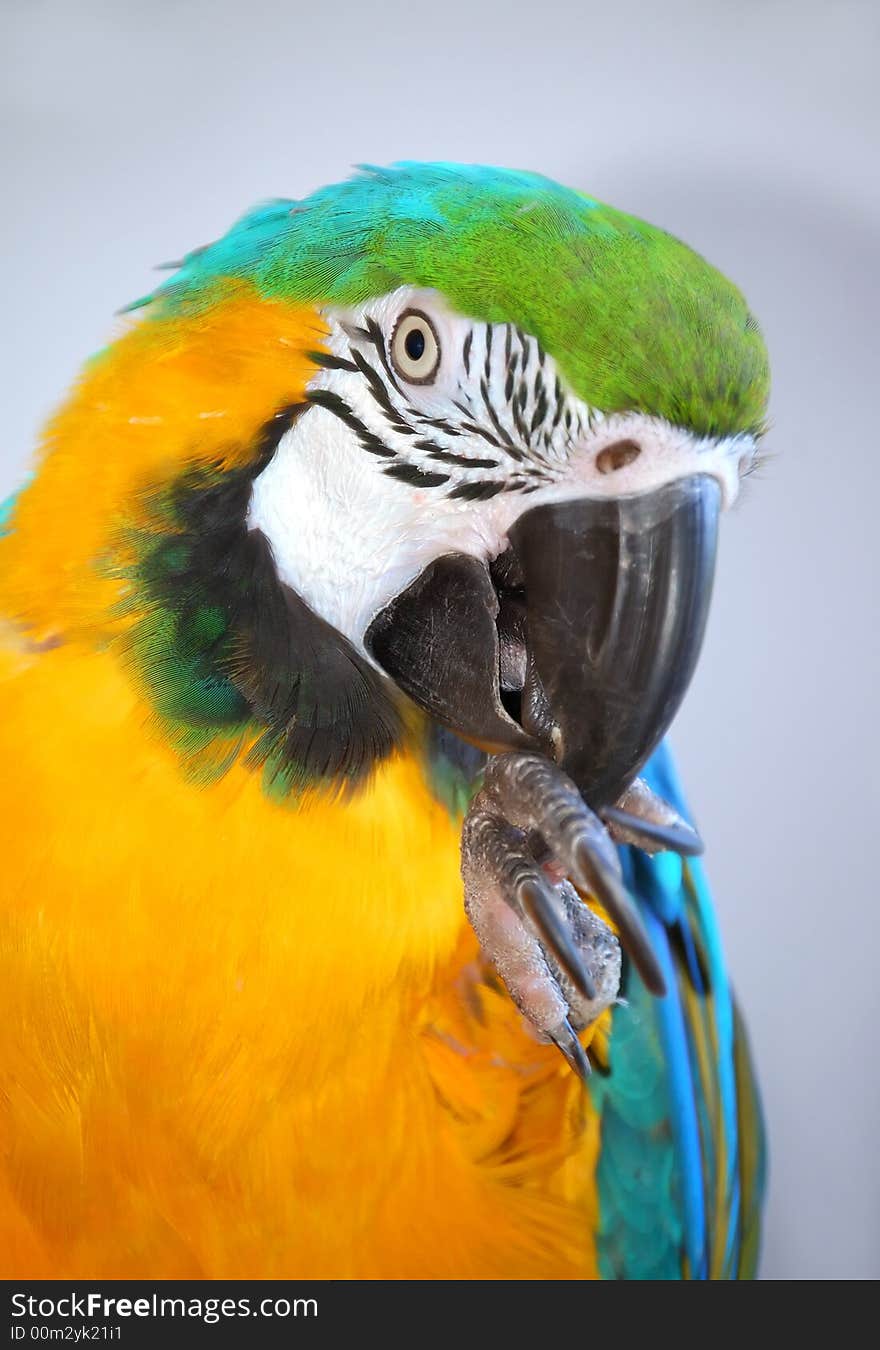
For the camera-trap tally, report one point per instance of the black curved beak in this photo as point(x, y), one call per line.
point(580, 640)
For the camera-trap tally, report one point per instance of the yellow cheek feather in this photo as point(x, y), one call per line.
point(237, 1038)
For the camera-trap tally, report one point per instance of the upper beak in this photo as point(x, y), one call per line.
point(580, 641)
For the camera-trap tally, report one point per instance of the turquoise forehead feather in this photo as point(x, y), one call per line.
point(634, 319)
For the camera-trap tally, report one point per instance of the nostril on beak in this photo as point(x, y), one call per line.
point(617, 456)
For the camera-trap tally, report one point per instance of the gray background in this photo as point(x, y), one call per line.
point(132, 131)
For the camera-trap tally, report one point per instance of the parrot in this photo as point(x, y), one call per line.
point(354, 924)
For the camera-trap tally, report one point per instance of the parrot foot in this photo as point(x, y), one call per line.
point(530, 844)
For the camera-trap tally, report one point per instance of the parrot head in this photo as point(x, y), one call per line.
point(493, 493)
point(503, 491)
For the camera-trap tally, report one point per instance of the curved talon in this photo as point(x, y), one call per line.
point(539, 905)
point(641, 817)
point(565, 1040)
point(612, 895)
point(651, 835)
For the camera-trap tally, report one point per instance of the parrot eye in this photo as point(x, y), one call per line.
point(415, 349)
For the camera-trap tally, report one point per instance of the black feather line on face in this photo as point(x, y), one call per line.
point(502, 431)
point(369, 441)
point(328, 361)
point(380, 393)
point(377, 337)
point(440, 424)
point(477, 491)
point(450, 457)
point(540, 412)
point(317, 713)
point(409, 473)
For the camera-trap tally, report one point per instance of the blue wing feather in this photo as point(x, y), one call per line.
point(680, 1120)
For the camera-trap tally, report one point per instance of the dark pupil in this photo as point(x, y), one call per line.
point(414, 344)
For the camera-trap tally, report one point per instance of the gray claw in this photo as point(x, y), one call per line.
point(612, 895)
point(564, 1038)
point(540, 906)
point(642, 818)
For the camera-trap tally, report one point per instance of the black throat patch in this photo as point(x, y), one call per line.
point(235, 663)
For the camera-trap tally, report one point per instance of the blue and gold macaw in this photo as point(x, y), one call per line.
point(354, 591)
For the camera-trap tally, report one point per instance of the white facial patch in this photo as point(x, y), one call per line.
point(383, 474)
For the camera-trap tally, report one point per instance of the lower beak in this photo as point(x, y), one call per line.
point(580, 641)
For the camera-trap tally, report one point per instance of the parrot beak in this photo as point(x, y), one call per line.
point(579, 641)
point(617, 595)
